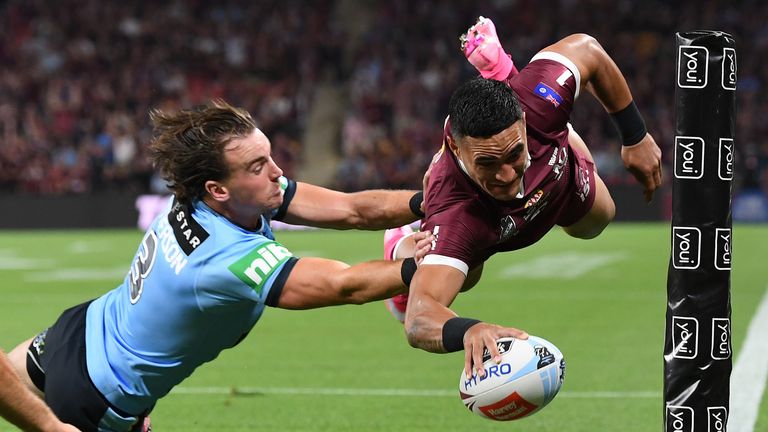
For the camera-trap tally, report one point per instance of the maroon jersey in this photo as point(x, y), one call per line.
point(557, 187)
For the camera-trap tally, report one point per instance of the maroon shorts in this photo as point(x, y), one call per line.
point(581, 191)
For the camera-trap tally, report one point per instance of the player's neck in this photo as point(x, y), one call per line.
point(246, 221)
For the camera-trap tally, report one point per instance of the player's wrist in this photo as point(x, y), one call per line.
point(501, 69)
point(407, 270)
point(630, 124)
point(415, 204)
point(453, 332)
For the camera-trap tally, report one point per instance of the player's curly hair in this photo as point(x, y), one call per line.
point(187, 147)
point(481, 108)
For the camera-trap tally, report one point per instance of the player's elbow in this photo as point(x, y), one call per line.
point(414, 332)
point(412, 335)
point(583, 41)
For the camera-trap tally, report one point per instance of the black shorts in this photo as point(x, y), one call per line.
point(56, 363)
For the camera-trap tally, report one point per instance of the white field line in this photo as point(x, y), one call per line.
point(564, 265)
point(77, 274)
point(750, 373)
point(334, 391)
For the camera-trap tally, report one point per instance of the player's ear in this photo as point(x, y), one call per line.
point(216, 190)
point(452, 145)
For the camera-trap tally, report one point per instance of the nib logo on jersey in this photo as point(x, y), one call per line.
point(723, 248)
point(692, 67)
point(725, 159)
point(721, 338)
point(686, 247)
point(717, 419)
point(689, 157)
point(679, 419)
point(685, 337)
point(729, 69)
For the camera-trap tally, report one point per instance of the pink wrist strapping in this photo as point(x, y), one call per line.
point(501, 70)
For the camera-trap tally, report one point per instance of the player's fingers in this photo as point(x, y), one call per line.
point(477, 358)
point(657, 176)
point(468, 361)
point(493, 348)
point(515, 333)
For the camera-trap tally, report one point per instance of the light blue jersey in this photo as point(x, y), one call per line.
point(197, 285)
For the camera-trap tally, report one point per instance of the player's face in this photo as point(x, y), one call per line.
point(497, 163)
point(253, 184)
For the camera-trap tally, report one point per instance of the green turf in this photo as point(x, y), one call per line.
point(609, 322)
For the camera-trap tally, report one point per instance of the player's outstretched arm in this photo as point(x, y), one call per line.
point(432, 326)
point(22, 408)
point(372, 210)
point(319, 282)
point(601, 77)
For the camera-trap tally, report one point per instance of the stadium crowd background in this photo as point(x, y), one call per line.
point(78, 79)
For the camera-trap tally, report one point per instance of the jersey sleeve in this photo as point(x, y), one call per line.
point(460, 237)
point(261, 272)
point(547, 88)
point(288, 188)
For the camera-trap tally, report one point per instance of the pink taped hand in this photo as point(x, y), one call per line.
point(482, 48)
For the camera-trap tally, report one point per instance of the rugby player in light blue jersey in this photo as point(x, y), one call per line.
point(204, 272)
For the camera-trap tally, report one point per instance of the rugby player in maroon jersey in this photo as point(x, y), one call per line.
point(511, 168)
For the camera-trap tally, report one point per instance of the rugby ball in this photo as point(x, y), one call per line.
point(529, 376)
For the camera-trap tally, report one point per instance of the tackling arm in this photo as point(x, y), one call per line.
point(319, 282)
point(21, 407)
point(373, 209)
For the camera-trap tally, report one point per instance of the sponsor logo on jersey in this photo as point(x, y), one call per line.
point(582, 184)
point(558, 160)
point(686, 247)
point(508, 228)
point(692, 66)
point(38, 343)
point(721, 338)
point(535, 198)
point(729, 69)
point(257, 266)
point(723, 248)
point(547, 93)
point(679, 419)
point(536, 207)
point(717, 418)
point(689, 157)
point(189, 234)
point(685, 337)
point(725, 159)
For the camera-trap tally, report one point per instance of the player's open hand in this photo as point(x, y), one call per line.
point(643, 160)
point(483, 336)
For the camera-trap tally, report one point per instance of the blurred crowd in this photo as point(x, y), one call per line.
point(79, 78)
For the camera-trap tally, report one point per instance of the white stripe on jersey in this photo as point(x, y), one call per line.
point(565, 61)
point(444, 260)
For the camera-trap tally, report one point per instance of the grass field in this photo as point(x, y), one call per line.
point(350, 368)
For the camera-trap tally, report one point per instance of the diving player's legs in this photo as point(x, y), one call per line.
point(398, 243)
point(603, 208)
point(598, 217)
